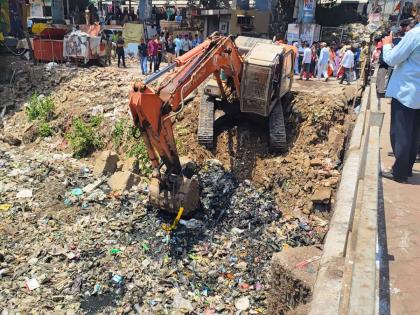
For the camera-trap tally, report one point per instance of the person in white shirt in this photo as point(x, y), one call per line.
point(323, 61)
point(347, 63)
point(186, 44)
point(306, 61)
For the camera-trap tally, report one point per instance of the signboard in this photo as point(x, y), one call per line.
point(36, 10)
point(310, 33)
point(308, 11)
point(292, 33)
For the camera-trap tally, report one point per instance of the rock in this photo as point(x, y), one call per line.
point(131, 165)
point(106, 163)
point(316, 162)
point(120, 181)
point(322, 195)
point(241, 266)
point(189, 167)
point(30, 134)
point(182, 304)
point(293, 274)
point(11, 140)
point(242, 304)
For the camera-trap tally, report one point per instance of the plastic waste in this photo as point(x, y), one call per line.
point(76, 192)
point(32, 284)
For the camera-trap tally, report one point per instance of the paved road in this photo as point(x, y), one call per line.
point(399, 236)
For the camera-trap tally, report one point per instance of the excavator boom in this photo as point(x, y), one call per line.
point(152, 108)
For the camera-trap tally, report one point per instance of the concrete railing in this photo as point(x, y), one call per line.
point(346, 280)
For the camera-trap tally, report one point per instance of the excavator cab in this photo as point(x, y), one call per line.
point(266, 77)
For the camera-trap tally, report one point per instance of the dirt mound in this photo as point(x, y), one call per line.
point(317, 128)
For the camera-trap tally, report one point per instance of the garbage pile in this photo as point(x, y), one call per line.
point(356, 32)
point(67, 249)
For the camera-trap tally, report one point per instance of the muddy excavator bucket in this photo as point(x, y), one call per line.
point(185, 193)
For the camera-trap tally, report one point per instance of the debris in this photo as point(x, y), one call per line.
point(32, 284)
point(117, 279)
point(11, 140)
point(24, 193)
point(76, 192)
point(115, 251)
point(182, 304)
point(120, 181)
point(5, 206)
point(242, 304)
point(131, 165)
point(106, 163)
point(91, 187)
point(192, 224)
point(322, 195)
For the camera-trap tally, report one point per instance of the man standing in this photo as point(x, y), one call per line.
point(186, 44)
point(347, 63)
point(142, 49)
point(404, 88)
point(364, 55)
point(324, 57)
point(306, 61)
point(178, 46)
point(152, 49)
point(120, 51)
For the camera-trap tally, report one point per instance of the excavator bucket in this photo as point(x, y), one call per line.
point(185, 194)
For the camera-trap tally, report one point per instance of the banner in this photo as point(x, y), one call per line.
point(308, 11)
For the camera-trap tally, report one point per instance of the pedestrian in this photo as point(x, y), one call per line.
point(404, 90)
point(186, 44)
point(195, 41)
point(383, 74)
point(337, 61)
point(301, 49)
point(120, 51)
point(152, 51)
point(142, 51)
point(314, 59)
point(200, 38)
point(347, 63)
point(159, 53)
point(108, 51)
point(170, 50)
point(306, 61)
point(178, 45)
point(356, 51)
point(331, 63)
point(296, 44)
point(323, 61)
point(364, 54)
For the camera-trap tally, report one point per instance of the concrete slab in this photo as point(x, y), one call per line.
point(398, 235)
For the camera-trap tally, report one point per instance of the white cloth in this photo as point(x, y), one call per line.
point(324, 56)
point(322, 69)
point(348, 59)
point(307, 55)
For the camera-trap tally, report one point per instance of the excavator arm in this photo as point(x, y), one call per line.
point(152, 106)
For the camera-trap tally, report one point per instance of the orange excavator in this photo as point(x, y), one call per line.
point(250, 78)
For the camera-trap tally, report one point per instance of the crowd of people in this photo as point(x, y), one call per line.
point(321, 59)
point(151, 52)
point(165, 46)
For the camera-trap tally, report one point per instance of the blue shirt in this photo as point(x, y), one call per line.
point(404, 84)
point(178, 44)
